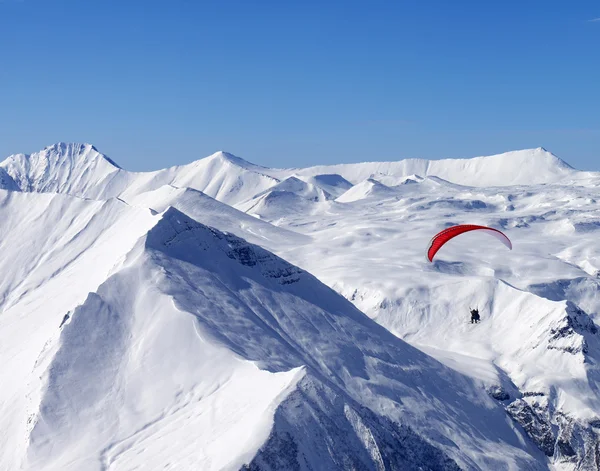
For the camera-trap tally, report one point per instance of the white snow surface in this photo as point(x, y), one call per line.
point(369, 188)
point(511, 168)
point(132, 334)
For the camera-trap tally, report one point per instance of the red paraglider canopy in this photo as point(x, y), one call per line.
point(444, 236)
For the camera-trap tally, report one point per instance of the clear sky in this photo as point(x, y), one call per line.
point(295, 83)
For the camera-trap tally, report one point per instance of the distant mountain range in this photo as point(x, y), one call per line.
point(222, 315)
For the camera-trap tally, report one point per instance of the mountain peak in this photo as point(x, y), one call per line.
point(62, 167)
point(184, 238)
point(68, 147)
point(74, 151)
point(538, 158)
point(62, 151)
point(233, 159)
point(541, 154)
point(558, 160)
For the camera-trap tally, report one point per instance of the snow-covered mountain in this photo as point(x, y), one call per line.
point(139, 329)
point(369, 188)
point(286, 199)
point(77, 169)
point(80, 170)
point(538, 348)
point(511, 168)
point(181, 344)
point(214, 213)
point(331, 184)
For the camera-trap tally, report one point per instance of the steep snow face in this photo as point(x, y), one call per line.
point(135, 383)
point(77, 169)
point(7, 182)
point(229, 307)
point(55, 250)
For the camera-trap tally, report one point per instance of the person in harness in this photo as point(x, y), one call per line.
point(475, 316)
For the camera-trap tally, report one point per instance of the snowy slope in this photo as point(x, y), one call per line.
point(511, 168)
point(370, 188)
point(286, 199)
point(332, 184)
point(537, 340)
point(249, 350)
point(7, 182)
point(77, 169)
point(67, 248)
point(517, 391)
point(80, 170)
point(211, 212)
point(55, 250)
point(221, 176)
point(309, 191)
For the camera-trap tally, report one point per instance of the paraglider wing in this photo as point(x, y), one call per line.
point(444, 236)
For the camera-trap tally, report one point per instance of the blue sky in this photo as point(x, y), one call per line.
point(159, 83)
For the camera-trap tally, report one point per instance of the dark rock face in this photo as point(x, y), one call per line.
point(183, 228)
point(498, 393)
point(565, 435)
point(250, 255)
point(281, 452)
point(577, 443)
point(578, 325)
point(535, 422)
point(562, 438)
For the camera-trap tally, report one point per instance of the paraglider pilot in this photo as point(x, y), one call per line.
point(475, 316)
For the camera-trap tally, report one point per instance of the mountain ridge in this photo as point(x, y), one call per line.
point(39, 172)
point(243, 316)
point(172, 283)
